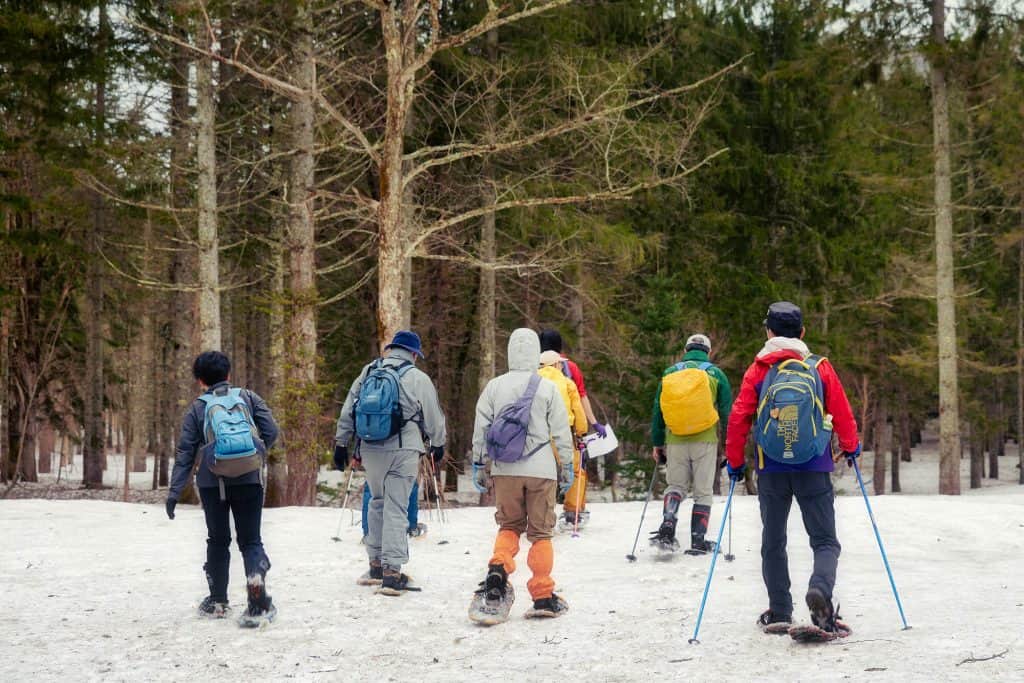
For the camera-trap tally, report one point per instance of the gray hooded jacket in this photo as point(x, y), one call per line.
point(548, 417)
point(420, 407)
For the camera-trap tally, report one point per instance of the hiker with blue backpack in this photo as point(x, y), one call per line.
point(392, 410)
point(693, 399)
point(795, 401)
point(519, 416)
point(230, 429)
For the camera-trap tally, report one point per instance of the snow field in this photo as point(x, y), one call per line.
point(100, 590)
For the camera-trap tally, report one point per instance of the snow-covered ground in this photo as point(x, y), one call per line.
point(103, 590)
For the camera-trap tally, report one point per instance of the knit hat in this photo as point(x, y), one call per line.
point(550, 357)
point(408, 340)
point(784, 319)
point(699, 342)
point(550, 340)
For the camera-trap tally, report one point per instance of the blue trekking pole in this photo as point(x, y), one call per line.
point(714, 558)
point(878, 538)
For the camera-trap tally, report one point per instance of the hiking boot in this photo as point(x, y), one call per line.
point(823, 615)
point(214, 609)
point(260, 607)
point(495, 583)
point(395, 582)
point(778, 624)
point(666, 533)
point(373, 576)
point(553, 606)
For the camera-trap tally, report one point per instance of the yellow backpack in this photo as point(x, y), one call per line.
point(571, 398)
point(688, 398)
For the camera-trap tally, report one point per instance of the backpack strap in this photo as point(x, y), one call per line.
point(704, 366)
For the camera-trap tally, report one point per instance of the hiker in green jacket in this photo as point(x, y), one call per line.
point(693, 399)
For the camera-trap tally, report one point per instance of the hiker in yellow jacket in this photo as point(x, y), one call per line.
point(551, 369)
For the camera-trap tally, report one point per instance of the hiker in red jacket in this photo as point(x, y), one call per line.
point(794, 458)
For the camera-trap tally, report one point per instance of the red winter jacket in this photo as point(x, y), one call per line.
point(745, 408)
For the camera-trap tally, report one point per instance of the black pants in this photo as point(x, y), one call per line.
point(814, 495)
point(245, 503)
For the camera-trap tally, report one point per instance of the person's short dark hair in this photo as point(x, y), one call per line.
point(550, 340)
point(784, 319)
point(211, 367)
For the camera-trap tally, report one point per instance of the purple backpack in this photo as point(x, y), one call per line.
point(506, 437)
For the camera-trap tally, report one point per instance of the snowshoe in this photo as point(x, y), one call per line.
point(567, 522)
point(492, 602)
point(395, 583)
point(547, 608)
point(703, 548)
point(664, 539)
point(214, 609)
point(261, 610)
point(371, 577)
point(418, 531)
point(825, 625)
point(775, 624)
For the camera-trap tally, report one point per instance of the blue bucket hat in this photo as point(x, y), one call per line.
point(408, 340)
point(784, 319)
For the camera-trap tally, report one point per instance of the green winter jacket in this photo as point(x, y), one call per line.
point(723, 404)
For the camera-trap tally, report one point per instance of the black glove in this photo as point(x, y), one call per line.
point(169, 506)
point(437, 454)
point(340, 457)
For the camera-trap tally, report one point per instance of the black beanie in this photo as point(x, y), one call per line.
point(550, 340)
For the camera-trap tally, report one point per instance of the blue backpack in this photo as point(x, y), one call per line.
point(506, 436)
point(378, 408)
point(232, 445)
point(790, 422)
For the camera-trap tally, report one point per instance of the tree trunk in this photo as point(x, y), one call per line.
point(882, 441)
point(5, 381)
point(301, 421)
point(906, 443)
point(206, 194)
point(46, 438)
point(27, 469)
point(277, 466)
point(181, 308)
point(92, 448)
point(487, 299)
point(945, 286)
point(977, 443)
point(392, 258)
point(996, 435)
point(894, 459)
point(1020, 357)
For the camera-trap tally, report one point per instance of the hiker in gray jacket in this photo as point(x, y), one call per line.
point(524, 490)
point(391, 458)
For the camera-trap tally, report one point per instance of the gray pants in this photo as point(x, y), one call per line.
point(390, 476)
point(692, 465)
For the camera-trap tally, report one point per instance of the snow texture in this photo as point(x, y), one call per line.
point(104, 590)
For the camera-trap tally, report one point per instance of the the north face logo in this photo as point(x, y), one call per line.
point(788, 418)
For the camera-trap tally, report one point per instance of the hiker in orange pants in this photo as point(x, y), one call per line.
point(520, 421)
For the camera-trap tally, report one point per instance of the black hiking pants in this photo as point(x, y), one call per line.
point(245, 503)
point(815, 496)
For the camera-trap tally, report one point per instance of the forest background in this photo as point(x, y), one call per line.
point(293, 181)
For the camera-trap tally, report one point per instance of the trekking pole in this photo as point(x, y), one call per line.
point(650, 489)
point(344, 504)
point(437, 490)
point(436, 475)
point(878, 537)
point(714, 558)
point(729, 557)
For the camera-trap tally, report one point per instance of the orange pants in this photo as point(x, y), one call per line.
point(576, 496)
point(526, 504)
